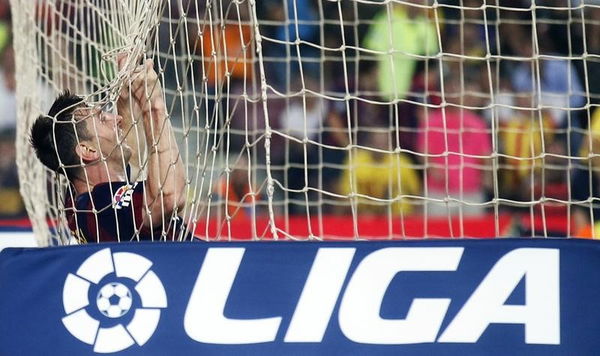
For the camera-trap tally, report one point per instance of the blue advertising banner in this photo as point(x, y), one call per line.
point(460, 297)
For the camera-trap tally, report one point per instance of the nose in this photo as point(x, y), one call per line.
point(116, 119)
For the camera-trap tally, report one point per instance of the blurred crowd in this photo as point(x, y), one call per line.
point(384, 108)
point(476, 109)
point(11, 202)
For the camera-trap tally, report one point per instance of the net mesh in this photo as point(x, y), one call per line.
point(309, 119)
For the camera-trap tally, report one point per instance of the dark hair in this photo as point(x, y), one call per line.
point(57, 125)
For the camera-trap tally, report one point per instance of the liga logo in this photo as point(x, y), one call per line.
point(111, 273)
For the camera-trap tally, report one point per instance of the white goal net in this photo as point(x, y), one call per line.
point(354, 119)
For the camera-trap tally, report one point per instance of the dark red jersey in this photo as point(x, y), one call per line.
point(114, 211)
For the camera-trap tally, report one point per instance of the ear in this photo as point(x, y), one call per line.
point(87, 152)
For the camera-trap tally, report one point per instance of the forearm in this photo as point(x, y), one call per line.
point(165, 183)
point(135, 138)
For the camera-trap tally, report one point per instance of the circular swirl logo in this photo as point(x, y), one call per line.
point(129, 321)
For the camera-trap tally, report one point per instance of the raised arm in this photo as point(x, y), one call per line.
point(133, 127)
point(165, 183)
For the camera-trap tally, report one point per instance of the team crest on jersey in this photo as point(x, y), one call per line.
point(123, 195)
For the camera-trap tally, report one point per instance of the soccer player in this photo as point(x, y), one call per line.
point(87, 145)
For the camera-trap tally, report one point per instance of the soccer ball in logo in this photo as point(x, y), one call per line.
point(114, 300)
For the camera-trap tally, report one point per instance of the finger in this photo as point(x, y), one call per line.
point(121, 60)
point(124, 93)
point(139, 69)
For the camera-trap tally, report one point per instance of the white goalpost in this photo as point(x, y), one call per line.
point(334, 120)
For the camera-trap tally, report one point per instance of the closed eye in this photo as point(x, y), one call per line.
point(108, 107)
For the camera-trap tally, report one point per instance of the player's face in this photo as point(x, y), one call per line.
point(106, 130)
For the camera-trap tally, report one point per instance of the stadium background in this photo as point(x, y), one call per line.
point(558, 34)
